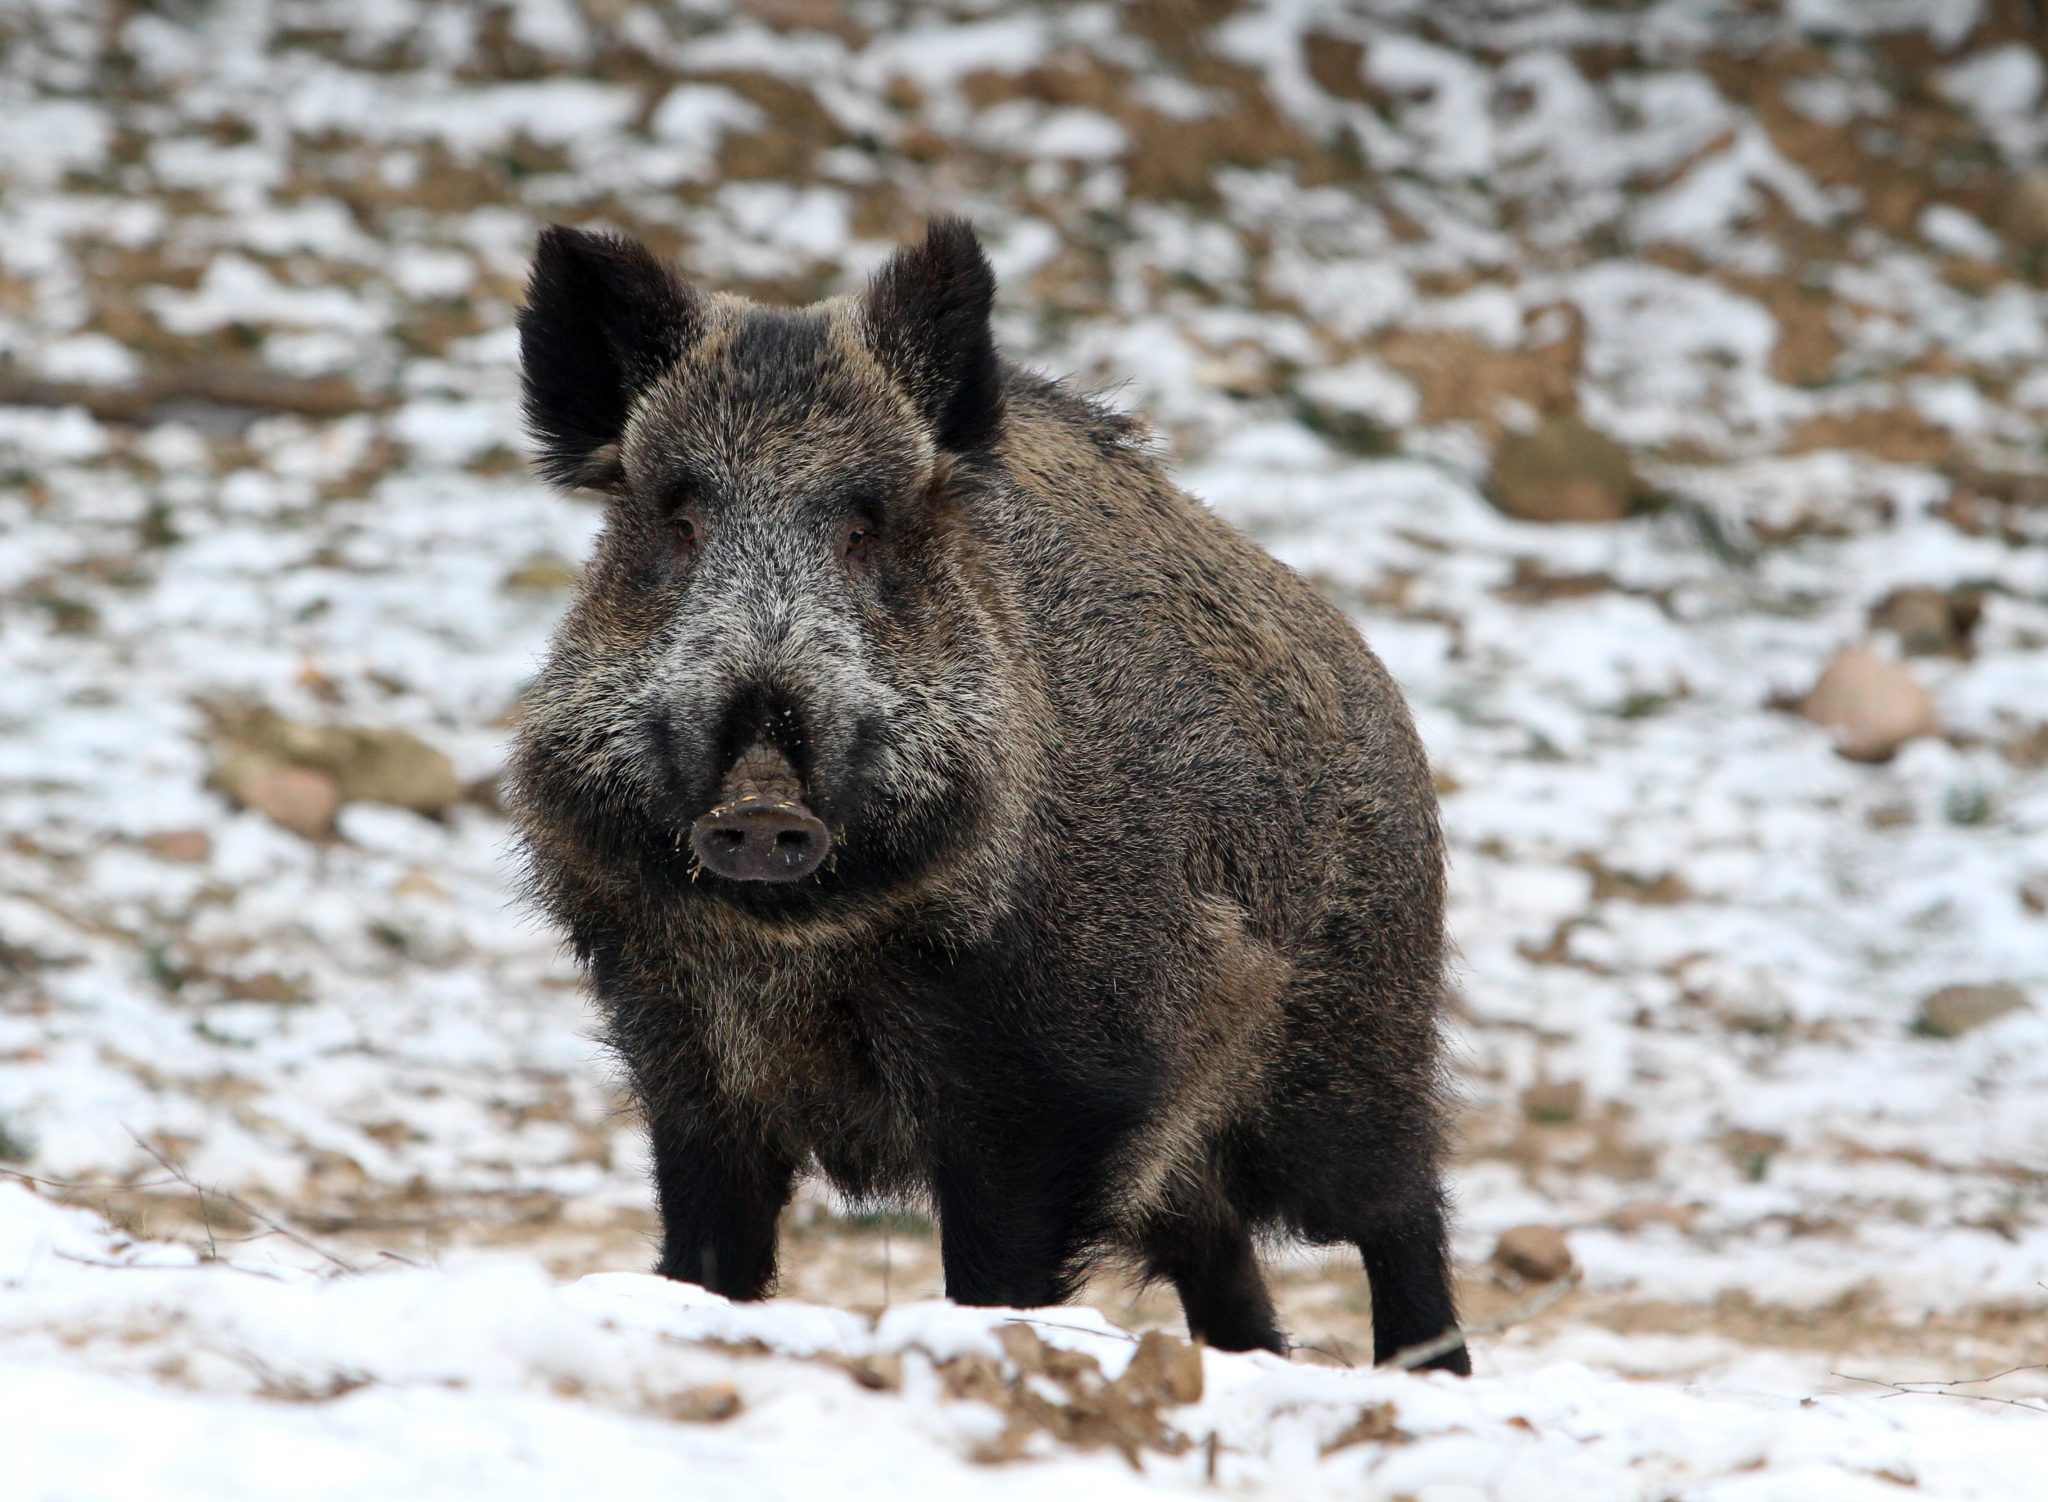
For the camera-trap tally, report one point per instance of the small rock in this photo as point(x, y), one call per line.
point(1955, 1010)
point(1536, 1254)
point(713, 1403)
point(1563, 471)
point(1929, 622)
point(185, 846)
point(294, 798)
point(878, 1371)
point(1553, 1102)
point(1872, 705)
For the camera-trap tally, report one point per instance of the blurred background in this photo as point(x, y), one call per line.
point(1660, 386)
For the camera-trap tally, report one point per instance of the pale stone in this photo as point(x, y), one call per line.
point(1872, 705)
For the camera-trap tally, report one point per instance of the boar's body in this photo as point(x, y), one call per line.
point(1130, 940)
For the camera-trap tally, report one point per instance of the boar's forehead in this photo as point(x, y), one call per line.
point(776, 407)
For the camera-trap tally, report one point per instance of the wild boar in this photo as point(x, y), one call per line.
point(941, 801)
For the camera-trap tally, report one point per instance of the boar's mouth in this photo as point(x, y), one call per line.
point(761, 829)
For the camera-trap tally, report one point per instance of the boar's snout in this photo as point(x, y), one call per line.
point(761, 830)
point(754, 841)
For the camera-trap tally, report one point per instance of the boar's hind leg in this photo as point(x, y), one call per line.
point(720, 1201)
point(1407, 1261)
point(1216, 1273)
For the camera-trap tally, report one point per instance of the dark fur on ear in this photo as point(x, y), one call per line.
point(927, 317)
point(603, 319)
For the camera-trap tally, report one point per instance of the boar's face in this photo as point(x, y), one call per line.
point(779, 684)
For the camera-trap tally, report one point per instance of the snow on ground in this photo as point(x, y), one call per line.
point(259, 450)
point(141, 1370)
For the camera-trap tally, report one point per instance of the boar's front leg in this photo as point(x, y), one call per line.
point(720, 1199)
point(1408, 1264)
point(1006, 1237)
point(1033, 1107)
point(1021, 1179)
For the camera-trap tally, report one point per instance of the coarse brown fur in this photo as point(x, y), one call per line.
point(1131, 939)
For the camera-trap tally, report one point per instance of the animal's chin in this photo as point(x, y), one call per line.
point(776, 903)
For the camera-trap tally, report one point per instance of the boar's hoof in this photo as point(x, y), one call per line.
point(750, 841)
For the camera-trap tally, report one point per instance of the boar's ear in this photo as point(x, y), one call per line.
point(603, 318)
point(926, 316)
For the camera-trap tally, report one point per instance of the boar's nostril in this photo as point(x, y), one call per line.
point(752, 841)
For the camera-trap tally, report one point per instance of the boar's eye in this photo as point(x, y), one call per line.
point(860, 536)
point(689, 536)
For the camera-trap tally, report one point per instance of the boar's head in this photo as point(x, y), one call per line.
point(781, 685)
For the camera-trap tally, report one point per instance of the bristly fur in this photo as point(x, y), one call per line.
point(1131, 939)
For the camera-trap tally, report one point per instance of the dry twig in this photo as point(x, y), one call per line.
point(270, 1223)
point(1936, 1387)
point(1410, 1357)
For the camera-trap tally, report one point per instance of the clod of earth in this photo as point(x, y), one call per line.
point(1375, 1425)
point(1871, 705)
point(1955, 1010)
point(1553, 1101)
point(1043, 1389)
point(265, 986)
point(184, 846)
point(1535, 1254)
point(1164, 1370)
point(1563, 471)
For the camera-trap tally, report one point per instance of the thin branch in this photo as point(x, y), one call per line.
point(276, 1384)
point(296, 1238)
point(159, 1267)
point(1959, 1381)
point(1410, 1357)
point(84, 1186)
point(1948, 1388)
point(1337, 1355)
point(120, 1267)
point(206, 1219)
point(1053, 1324)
